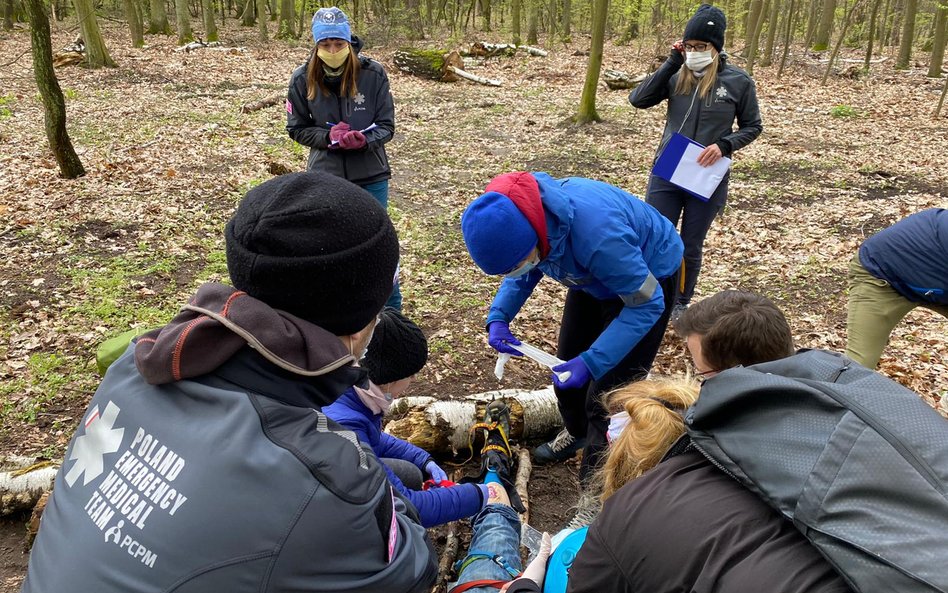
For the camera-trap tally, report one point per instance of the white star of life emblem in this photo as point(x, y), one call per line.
point(359, 99)
point(721, 92)
point(90, 448)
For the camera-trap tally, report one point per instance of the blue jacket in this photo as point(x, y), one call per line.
point(435, 506)
point(608, 243)
point(912, 256)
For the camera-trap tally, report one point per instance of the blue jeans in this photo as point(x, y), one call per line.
point(696, 217)
point(379, 191)
point(496, 533)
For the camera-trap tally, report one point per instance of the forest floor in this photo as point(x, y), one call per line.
point(169, 154)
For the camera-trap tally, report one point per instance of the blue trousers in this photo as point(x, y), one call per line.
point(496, 533)
point(379, 191)
point(696, 217)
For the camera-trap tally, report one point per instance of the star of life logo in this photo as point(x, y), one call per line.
point(359, 99)
point(721, 92)
point(99, 440)
point(328, 17)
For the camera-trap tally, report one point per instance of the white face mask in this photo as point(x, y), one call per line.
point(524, 269)
point(617, 424)
point(697, 61)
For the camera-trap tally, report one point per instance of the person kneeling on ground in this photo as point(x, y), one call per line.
point(398, 350)
point(733, 328)
point(203, 462)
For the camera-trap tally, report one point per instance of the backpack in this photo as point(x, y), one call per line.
point(856, 461)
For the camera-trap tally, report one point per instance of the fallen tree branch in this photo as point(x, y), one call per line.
point(616, 79)
point(449, 555)
point(473, 77)
point(23, 482)
point(482, 48)
point(213, 45)
point(263, 103)
point(524, 467)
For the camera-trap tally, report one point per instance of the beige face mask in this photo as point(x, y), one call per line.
point(335, 60)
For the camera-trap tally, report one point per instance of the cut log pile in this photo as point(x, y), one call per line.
point(448, 66)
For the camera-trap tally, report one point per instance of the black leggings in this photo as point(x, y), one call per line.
point(584, 319)
point(696, 217)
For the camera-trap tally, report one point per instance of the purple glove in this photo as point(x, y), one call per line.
point(579, 374)
point(498, 332)
point(352, 140)
point(338, 131)
point(437, 474)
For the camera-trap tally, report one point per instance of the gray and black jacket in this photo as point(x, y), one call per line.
point(712, 118)
point(308, 122)
point(204, 465)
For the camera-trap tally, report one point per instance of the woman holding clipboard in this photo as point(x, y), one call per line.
point(340, 105)
point(704, 99)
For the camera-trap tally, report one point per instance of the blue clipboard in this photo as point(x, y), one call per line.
point(674, 166)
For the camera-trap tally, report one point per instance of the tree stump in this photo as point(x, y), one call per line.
point(444, 426)
point(428, 63)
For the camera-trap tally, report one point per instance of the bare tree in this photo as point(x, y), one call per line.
point(515, 6)
point(938, 41)
point(587, 103)
point(485, 14)
point(872, 34)
point(788, 37)
point(8, 15)
point(839, 41)
point(772, 26)
point(566, 20)
point(97, 55)
point(136, 26)
point(183, 20)
point(533, 21)
point(158, 18)
point(285, 29)
point(210, 26)
point(908, 35)
point(54, 104)
point(825, 27)
point(261, 19)
point(758, 12)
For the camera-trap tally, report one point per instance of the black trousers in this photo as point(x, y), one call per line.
point(696, 217)
point(584, 319)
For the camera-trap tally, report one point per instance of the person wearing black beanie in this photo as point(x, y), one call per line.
point(704, 100)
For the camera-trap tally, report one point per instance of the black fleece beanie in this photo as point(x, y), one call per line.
point(316, 246)
point(708, 24)
point(397, 351)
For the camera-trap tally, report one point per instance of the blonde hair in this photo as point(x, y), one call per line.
point(316, 76)
point(687, 79)
point(655, 410)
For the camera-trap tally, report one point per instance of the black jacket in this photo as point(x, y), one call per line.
point(712, 118)
point(308, 122)
point(686, 526)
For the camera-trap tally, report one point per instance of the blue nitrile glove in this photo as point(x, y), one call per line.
point(498, 332)
point(437, 474)
point(579, 374)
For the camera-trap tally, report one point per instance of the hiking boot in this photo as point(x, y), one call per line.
point(496, 455)
point(587, 509)
point(497, 412)
point(563, 446)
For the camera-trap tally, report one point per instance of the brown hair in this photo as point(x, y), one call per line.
point(737, 329)
point(655, 409)
point(687, 79)
point(316, 76)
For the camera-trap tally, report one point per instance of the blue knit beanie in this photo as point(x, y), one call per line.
point(497, 234)
point(331, 23)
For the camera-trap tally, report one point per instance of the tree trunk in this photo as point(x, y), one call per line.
point(248, 16)
point(97, 55)
point(54, 104)
point(158, 20)
point(485, 14)
point(8, 15)
point(811, 22)
point(286, 28)
point(941, 101)
point(445, 426)
point(183, 21)
point(515, 6)
point(788, 37)
point(567, 21)
point(210, 25)
point(772, 25)
point(533, 21)
point(908, 35)
point(428, 63)
point(938, 43)
point(839, 42)
point(759, 8)
point(587, 103)
point(262, 20)
point(136, 27)
point(825, 28)
point(272, 5)
point(872, 34)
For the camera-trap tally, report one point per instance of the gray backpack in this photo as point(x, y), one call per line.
point(856, 461)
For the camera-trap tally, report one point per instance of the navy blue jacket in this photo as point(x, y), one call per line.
point(435, 506)
point(605, 242)
point(912, 256)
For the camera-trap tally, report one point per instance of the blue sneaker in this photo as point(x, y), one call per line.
point(563, 446)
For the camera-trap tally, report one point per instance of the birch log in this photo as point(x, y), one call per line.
point(444, 426)
point(23, 481)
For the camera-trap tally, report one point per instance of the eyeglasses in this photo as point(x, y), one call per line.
point(697, 47)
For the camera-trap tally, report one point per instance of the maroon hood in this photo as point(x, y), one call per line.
point(220, 320)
